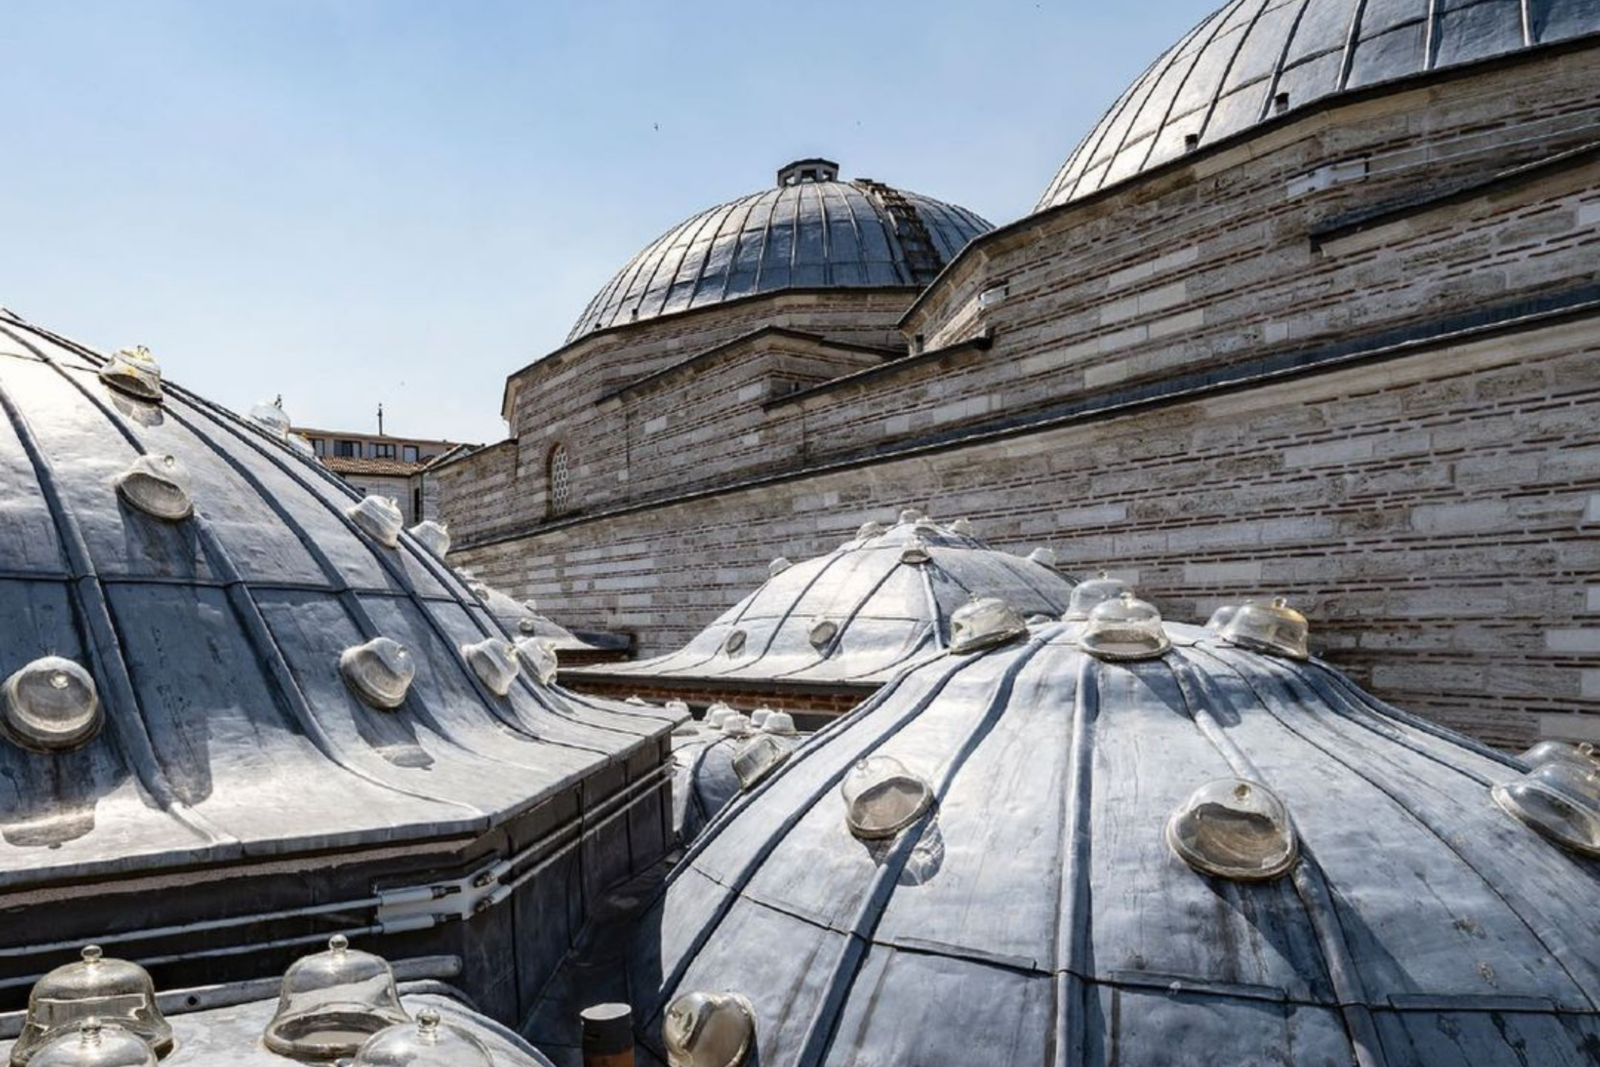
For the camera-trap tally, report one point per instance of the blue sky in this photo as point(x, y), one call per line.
point(357, 201)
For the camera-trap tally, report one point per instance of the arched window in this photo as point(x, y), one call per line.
point(560, 475)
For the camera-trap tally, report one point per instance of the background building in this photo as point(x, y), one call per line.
point(385, 465)
point(1313, 311)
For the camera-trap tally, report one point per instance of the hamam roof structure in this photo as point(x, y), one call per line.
point(1031, 855)
point(811, 231)
point(856, 615)
point(214, 652)
point(1252, 60)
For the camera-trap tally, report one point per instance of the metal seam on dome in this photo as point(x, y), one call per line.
point(349, 599)
point(825, 1020)
point(1222, 79)
point(1074, 887)
point(1430, 36)
point(850, 616)
point(1502, 889)
point(844, 192)
point(101, 644)
point(734, 887)
point(1154, 81)
point(1416, 722)
point(241, 599)
point(705, 259)
point(1218, 20)
point(1307, 876)
point(827, 237)
point(1283, 58)
point(1352, 37)
point(1527, 23)
point(749, 203)
point(766, 241)
point(1098, 133)
point(688, 233)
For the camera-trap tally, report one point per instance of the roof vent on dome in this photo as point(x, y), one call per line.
point(808, 170)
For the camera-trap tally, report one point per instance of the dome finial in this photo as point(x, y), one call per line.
point(808, 170)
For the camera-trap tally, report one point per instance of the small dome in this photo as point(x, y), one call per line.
point(1220, 849)
point(1253, 59)
point(812, 231)
point(883, 599)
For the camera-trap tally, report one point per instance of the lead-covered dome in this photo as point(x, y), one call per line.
point(1193, 851)
point(811, 231)
point(194, 615)
point(1253, 59)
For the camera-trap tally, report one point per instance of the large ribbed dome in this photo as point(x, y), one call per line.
point(810, 231)
point(1255, 58)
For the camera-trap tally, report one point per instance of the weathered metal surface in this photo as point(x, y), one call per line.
point(231, 1036)
point(1253, 59)
point(230, 737)
point(1036, 914)
point(703, 775)
point(887, 612)
point(519, 620)
point(813, 234)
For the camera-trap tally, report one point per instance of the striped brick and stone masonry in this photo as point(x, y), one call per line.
point(1352, 358)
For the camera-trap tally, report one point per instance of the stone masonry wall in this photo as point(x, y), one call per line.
point(1434, 513)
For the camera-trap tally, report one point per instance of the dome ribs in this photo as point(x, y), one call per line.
point(92, 613)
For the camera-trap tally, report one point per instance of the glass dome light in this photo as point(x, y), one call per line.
point(911, 515)
point(716, 713)
point(759, 716)
point(92, 1043)
point(637, 701)
point(434, 536)
point(962, 528)
point(709, 1030)
point(1275, 628)
point(734, 643)
point(1561, 800)
point(494, 661)
point(332, 1002)
point(916, 552)
point(105, 990)
point(428, 1042)
point(881, 797)
point(157, 486)
point(1086, 596)
point(299, 442)
point(1223, 615)
point(1125, 629)
point(822, 632)
point(1583, 754)
point(1044, 556)
point(270, 417)
point(379, 671)
point(135, 372)
point(869, 530)
point(983, 623)
point(1234, 828)
point(778, 566)
point(757, 758)
point(51, 704)
point(780, 723)
point(736, 725)
point(379, 518)
point(528, 624)
point(677, 707)
point(539, 657)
